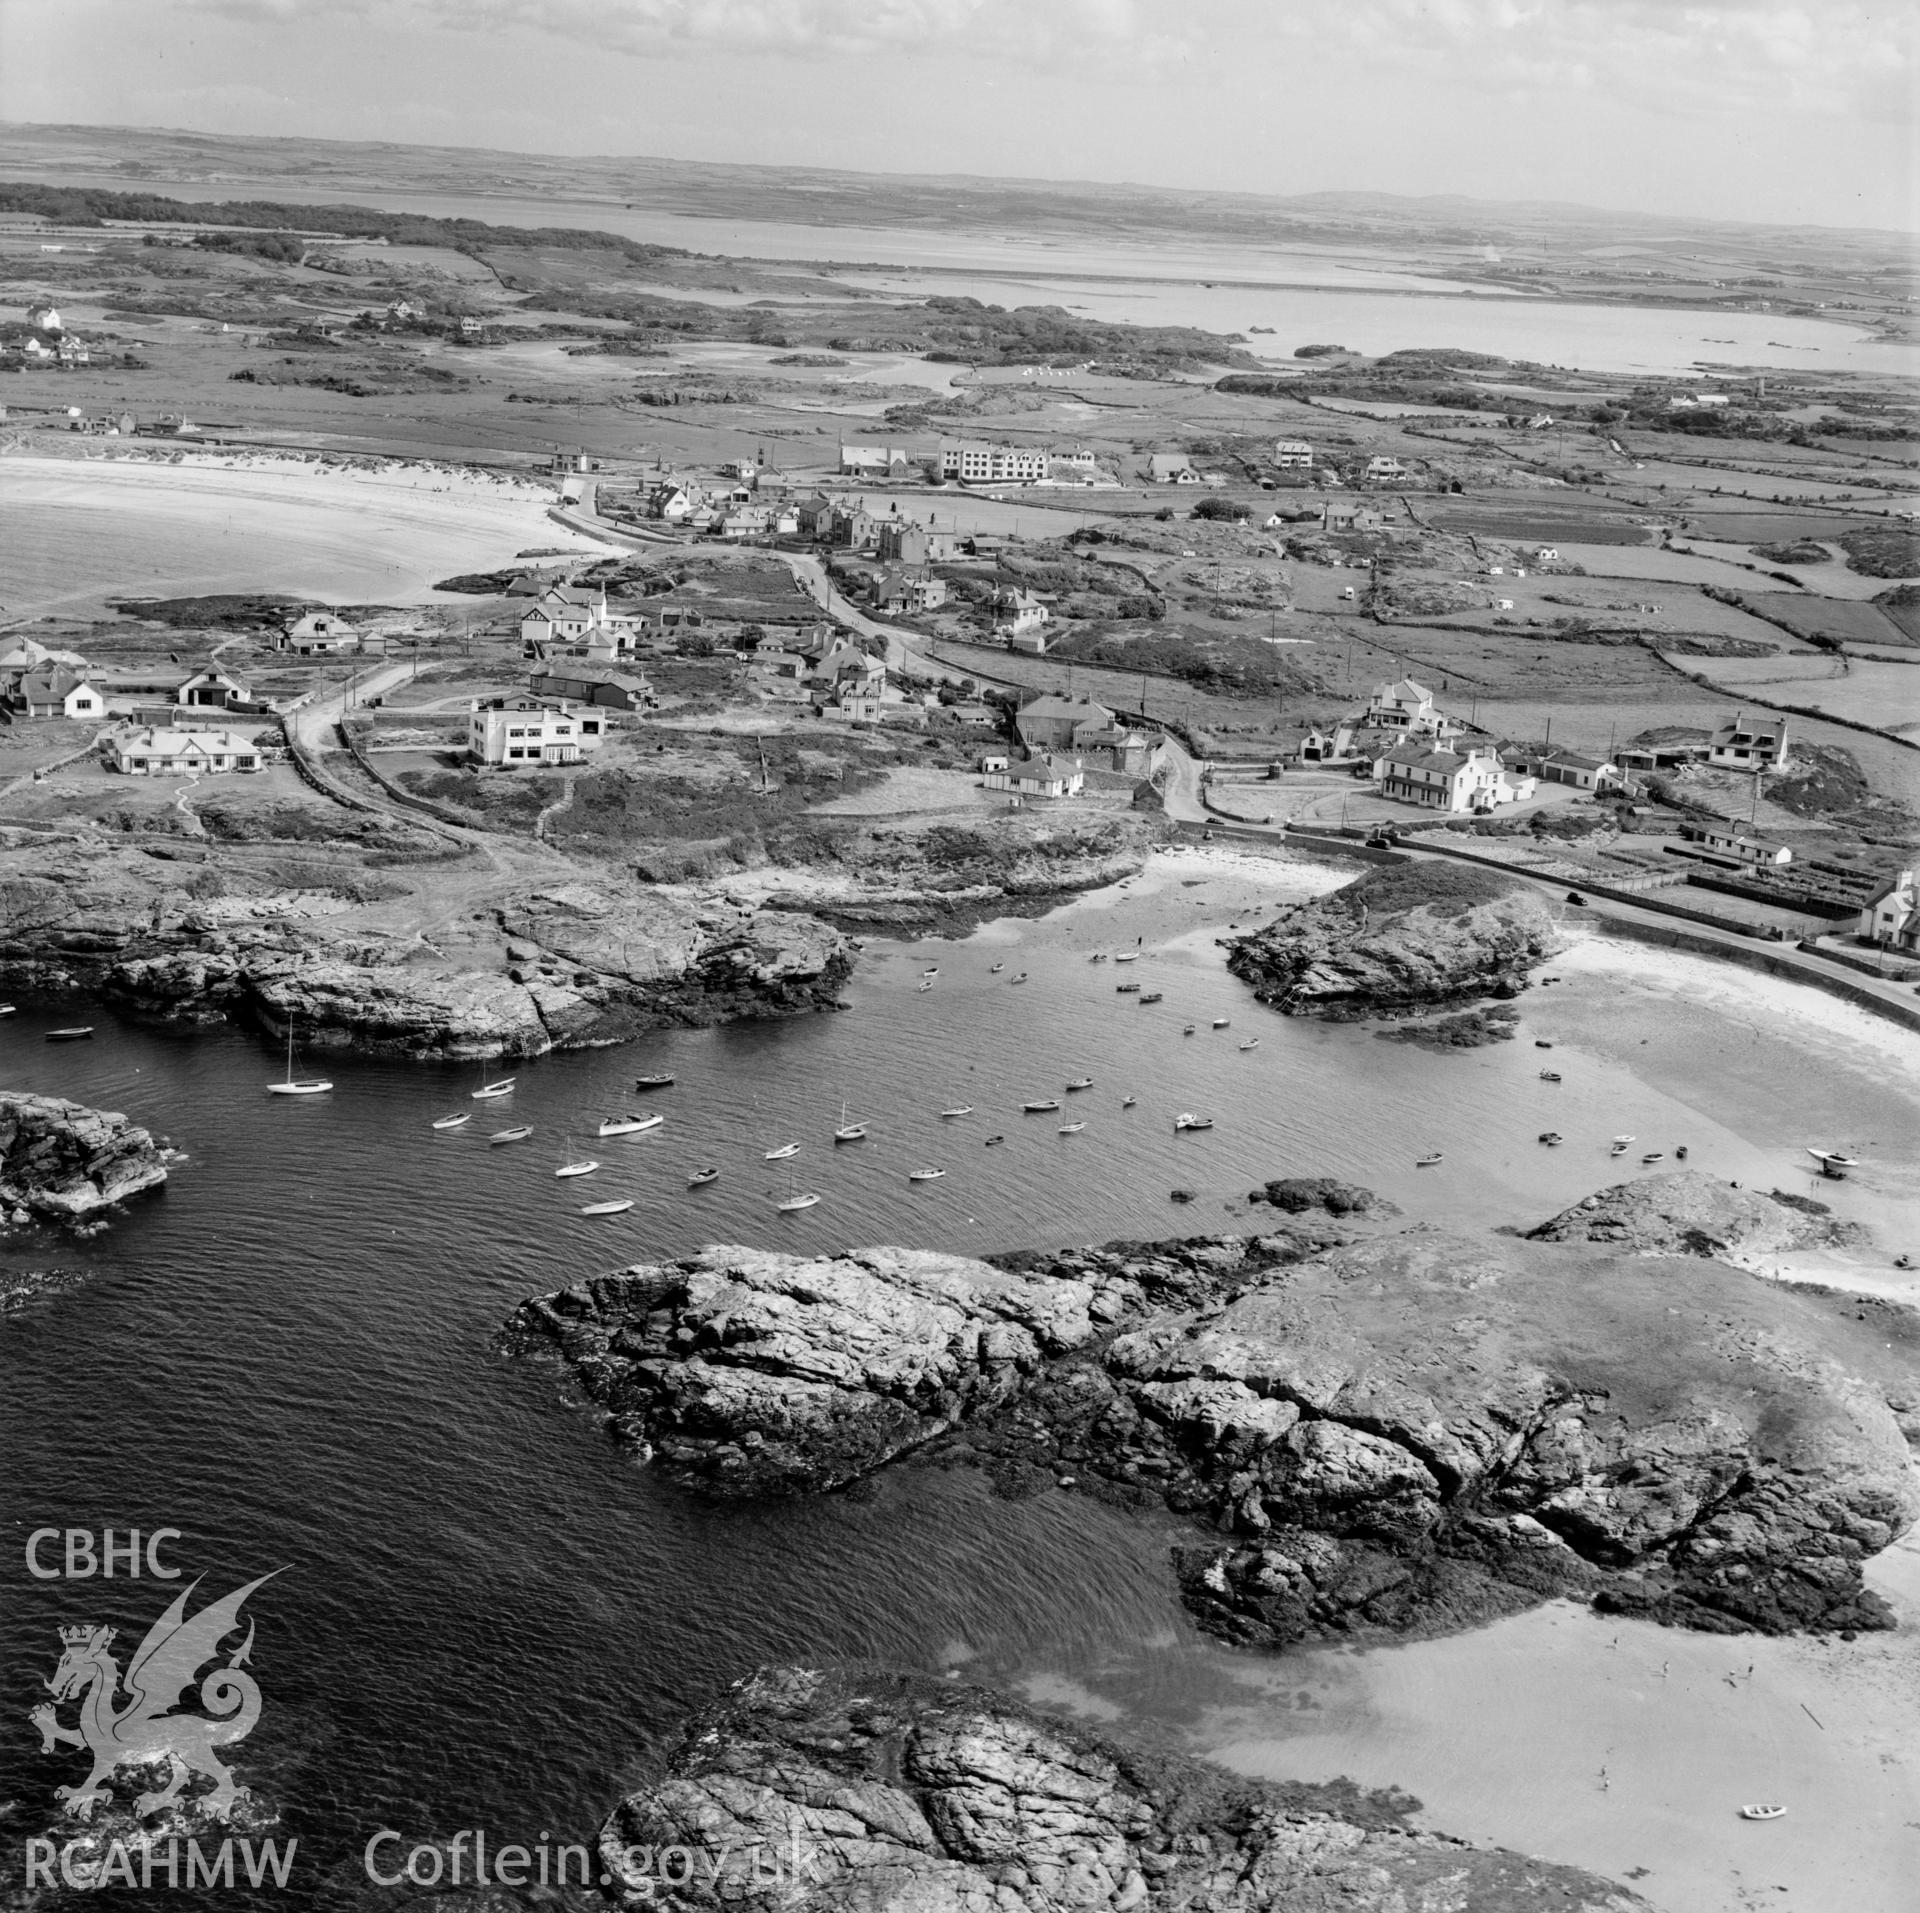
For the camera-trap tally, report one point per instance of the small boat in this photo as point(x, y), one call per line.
point(1833, 1159)
point(1188, 1031)
point(1152, 996)
point(453, 1122)
point(700, 1176)
point(585, 1166)
point(1221, 1022)
point(932, 969)
point(1099, 956)
point(1551, 1137)
point(1127, 1102)
point(1654, 1155)
point(486, 1091)
point(1620, 1142)
point(1762, 1812)
point(1549, 1075)
point(1187, 1120)
point(304, 1086)
point(1041, 1104)
point(1128, 956)
point(994, 969)
point(923, 986)
point(785, 1150)
point(653, 1082)
point(8, 1009)
point(925, 1175)
point(629, 1125)
point(511, 1135)
point(1021, 978)
point(1680, 1152)
point(1427, 1162)
point(1081, 1082)
point(797, 1202)
point(1127, 989)
point(1253, 1042)
point(78, 1034)
point(1071, 1129)
point(849, 1132)
point(618, 1208)
point(991, 1140)
point(959, 1109)
point(1540, 1042)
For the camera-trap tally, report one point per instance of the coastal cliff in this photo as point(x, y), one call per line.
point(867, 1788)
point(1372, 1429)
point(560, 966)
point(65, 1160)
point(1400, 941)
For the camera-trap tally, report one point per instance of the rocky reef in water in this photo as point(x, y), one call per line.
point(1403, 940)
point(1370, 1428)
point(561, 966)
point(845, 1789)
point(64, 1160)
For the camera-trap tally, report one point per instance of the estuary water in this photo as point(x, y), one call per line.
point(488, 1615)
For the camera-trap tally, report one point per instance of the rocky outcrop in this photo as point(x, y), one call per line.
point(1296, 1195)
point(63, 1159)
point(1401, 1431)
point(1688, 1213)
point(554, 968)
point(866, 1789)
point(1401, 941)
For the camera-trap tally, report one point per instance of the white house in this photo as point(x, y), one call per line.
point(318, 634)
point(1047, 775)
point(1740, 846)
point(517, 731)
point(44, 316)
point(1017, 612)
point(1385, 471)
point(1756, 745)
point(1891, 917)
point(875, 461)
point(158, 752)
point(1450, 780)
point(974, 462)
point(1171, 468)
point(1404, 706)
point(212, 687)
point(575, 621)
point(1293, 455)
point(57, 690)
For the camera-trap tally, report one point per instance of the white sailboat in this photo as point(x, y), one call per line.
point(785, 1150)
point(454, 1122)
point(849, 1132)
point(301, 1086)
point(489, 1089)
point(576, 1165)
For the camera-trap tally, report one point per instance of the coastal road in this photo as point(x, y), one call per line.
point(1181, 793)
point(811, 576)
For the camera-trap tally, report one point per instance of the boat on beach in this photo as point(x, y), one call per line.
point(629, 1125)
point(994, 969)
point(511, 1135)
point(923, 986)
point(1654, 1155)
point(1152, 996)
point(1762, 1811)
point(1221, 1022)
point(1549, 1075)
point(1127, 1102)
point(1128, 956)
point(453, 1122)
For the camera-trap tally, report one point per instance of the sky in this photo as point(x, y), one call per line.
point(1792, 111)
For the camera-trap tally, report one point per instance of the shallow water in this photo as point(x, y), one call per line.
point(285, 1354)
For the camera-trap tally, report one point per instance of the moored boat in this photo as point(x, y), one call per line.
point(1427, 1161)
point(1081, 1082)
point(992, 1140)
point(785, 1150)
point(849, 1132)
point(1188, 1120)
point(1040, 1104)
point(615, 1208)
point(658, 1081)
point(584, 1166)
point(453, 1122)
point(1549, 1075)
point(925, 1175)
point(1152, 996)
point(1221, 1022)
point(301, 1086)
point(1071, 1129)
point(701, 1176)
point(792, 1203)
point(1654, 1155)
point(959, 1109)
point(1127, 989)
point(1252, 1042)
point(511, 1135)
point(79, 1033)
point(1762, 1811)
point(629, 1125)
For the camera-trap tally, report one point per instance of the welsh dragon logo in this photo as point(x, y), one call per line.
point(144, 1731)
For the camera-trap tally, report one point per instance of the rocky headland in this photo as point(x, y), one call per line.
point(847, 1789)
point(1403, 940)
point(1370, 1428)
point(1690, 1214)
point(64, 1160)
point(532, 967)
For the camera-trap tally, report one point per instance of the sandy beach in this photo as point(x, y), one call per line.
point(82, 529)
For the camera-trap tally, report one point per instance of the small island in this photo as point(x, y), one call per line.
point(65, 1161)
